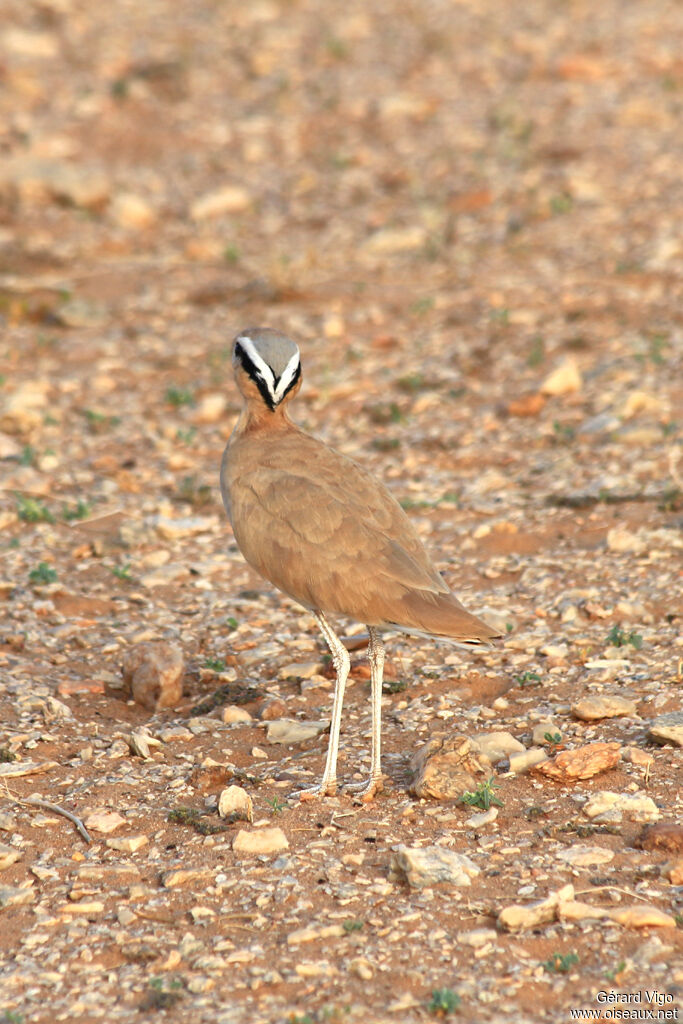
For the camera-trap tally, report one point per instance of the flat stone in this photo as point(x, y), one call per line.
point(668, 728)
point(496, 745)
point(233, 713)
point(432, 865)
point(11, 896)
point(607, 806)
point(290, 730)
point(8, 855)
point(301, 670)
point(313, 934)
point(575, 910)
point(132, 212)
point(128, 844)
point(582, 763)
point(229, 199)
point(590, 709)
point(623, 541)
point(388, 241)
point(527, 759)
point(264, 840)
point(485, 818)
point(585, 856)
point(640, 916)
point(189, 526)
point(103, 821)
point(186, 876)
point(518, 917)
point(564, 380)
point(478, 937)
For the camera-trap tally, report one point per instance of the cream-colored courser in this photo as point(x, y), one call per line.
point(324, 531)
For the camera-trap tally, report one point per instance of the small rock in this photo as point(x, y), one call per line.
point(186, 876)
point(234, 802)
point(522, 762)
point(443, 768)
point(478, 937)
point(526, 405)
point(232, 713)
point(582, 763)
point(395, 240)
point(23, 409)
point(310, 934)
point(8, 856)
point(362, 968)
point(673, 870)
point(575, 910)
point(579, 856)
point(485, 818)
point(271, 709)
point(556, 652)
point(140, 740)
point(517, 917)
point(11, 896)
point(153, 674)
point(103, 821)
point(301, 670)
point(621, 540)
point(289, 730)
point(496, 745)
point(590, 709)
point(264, 840)
point(634, 755)
point(639, 916)
point(175, 529)
point(668, 728)
point(431, 865)
point(132, 212)
point(229, 199)
point(211, 408)
point(128, 844)
point(665, 835)
point(607, 806)
point(564, 380)
point(541, 728)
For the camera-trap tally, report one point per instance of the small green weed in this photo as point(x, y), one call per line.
point(231, 622)
point(122, 572)
point(194, 493)
point(215, 664)
point(536, 352)
point(28, 456)
point(618, 637)
point(276, 805)
point(186, 436)
point(528, 679)
point(178, 397)
point(483, 796)
point(561, 203)
point(43, 574)
point(98, 422)
point(81, 511)
point(560, 963)
point(7, 755)
point(612, 974)
point(31, 510)
point(353, 925)
point(394, 685)
point(12, 1017)
point(231, 254)
point(443, 1002)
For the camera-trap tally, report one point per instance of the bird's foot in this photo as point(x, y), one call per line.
point(366, 791)
point(323, 788)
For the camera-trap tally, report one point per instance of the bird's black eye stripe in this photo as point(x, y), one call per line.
point(254, 373)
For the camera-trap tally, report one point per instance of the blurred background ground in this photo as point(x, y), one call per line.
point(469, 216)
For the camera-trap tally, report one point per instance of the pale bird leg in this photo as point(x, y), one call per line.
point(367, 790)
point(342, 663)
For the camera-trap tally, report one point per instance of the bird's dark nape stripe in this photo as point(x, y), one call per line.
point(255, 375)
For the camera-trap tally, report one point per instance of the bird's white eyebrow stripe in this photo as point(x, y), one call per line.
point(287, 376)
point(265, 372)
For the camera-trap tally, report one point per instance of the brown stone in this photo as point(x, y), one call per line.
point(153, 674)
point(665, 835)
point(582, 763)
point(444, 768)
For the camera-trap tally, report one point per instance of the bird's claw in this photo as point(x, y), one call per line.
point(366, 791)
point(328, 788)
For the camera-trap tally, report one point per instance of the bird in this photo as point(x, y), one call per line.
point(328, 534)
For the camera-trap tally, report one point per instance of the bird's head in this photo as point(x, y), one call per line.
point(267, 366)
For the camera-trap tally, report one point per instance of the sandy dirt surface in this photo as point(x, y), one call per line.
point(468, 215)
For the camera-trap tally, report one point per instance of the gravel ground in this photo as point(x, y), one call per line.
point(468, 216)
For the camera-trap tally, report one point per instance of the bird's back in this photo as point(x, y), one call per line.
point(327, 533)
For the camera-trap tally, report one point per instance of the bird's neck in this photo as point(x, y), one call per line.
point(256, 418)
